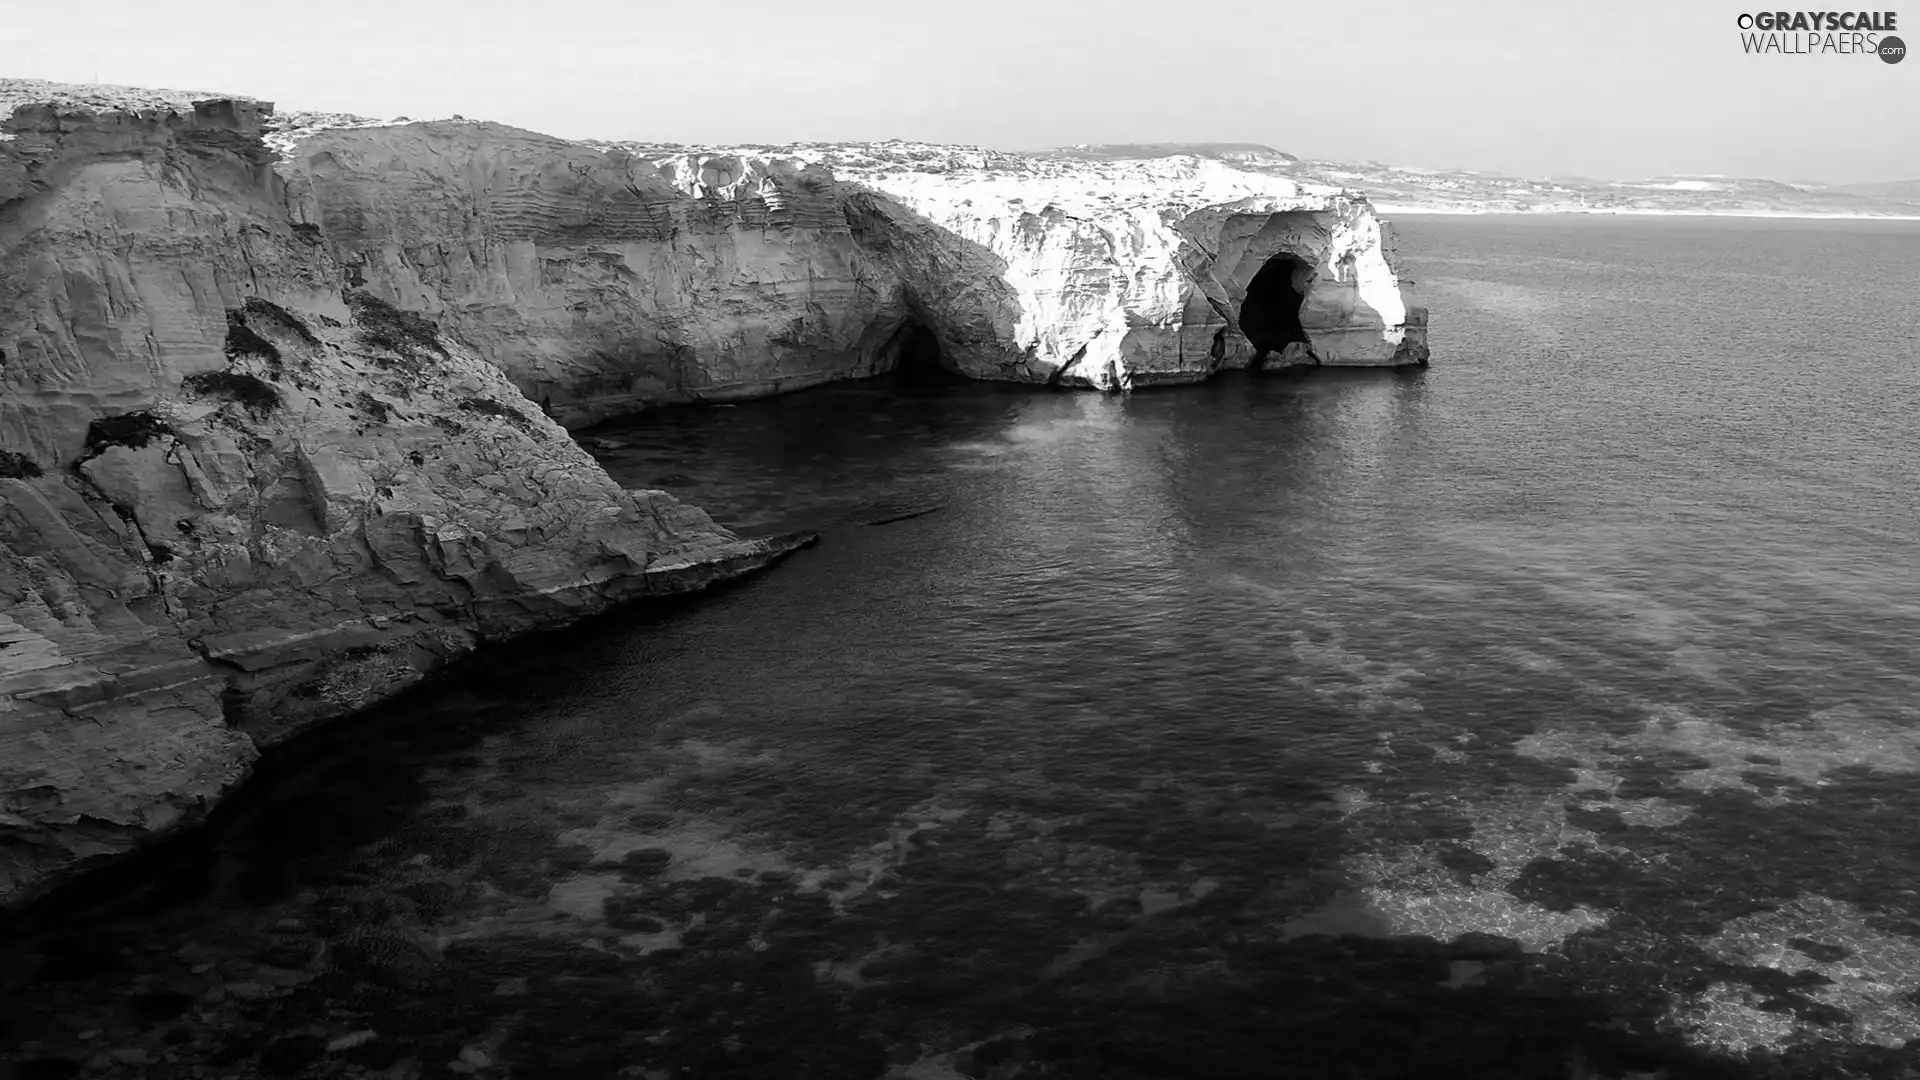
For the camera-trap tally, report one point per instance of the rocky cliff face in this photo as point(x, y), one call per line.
point(236, 499)
point(613, 277)
point(1132, 273)
point(281, 401)
point(600, 281)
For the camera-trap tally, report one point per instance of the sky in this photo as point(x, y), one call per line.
point(1627, 89)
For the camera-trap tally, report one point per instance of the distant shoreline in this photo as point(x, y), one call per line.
point(1402, 210)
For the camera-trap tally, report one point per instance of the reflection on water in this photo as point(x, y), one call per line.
point(1551, 712)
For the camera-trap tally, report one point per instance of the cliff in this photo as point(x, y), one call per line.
point(604, 278)
point(1140, 272)
point(236, 500)
point(282, 399)
point(598, 281)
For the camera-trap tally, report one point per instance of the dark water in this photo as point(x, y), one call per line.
point(1551, 712)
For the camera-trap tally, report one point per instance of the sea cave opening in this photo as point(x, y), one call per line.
point(918, 358)
point(1270, 315)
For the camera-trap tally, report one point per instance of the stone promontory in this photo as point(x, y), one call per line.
point(283, 399)
point(608, 277)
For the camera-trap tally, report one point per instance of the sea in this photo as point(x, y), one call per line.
point(1551, 711)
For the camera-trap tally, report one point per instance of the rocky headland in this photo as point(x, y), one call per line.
point(284, 399)
point(603, 278)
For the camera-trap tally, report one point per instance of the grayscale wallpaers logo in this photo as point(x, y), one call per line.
point(1823, 33)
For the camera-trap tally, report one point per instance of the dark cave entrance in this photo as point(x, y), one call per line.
point(918, 358)
point(1270, 315)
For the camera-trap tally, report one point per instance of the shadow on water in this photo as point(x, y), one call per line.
point(318, 798)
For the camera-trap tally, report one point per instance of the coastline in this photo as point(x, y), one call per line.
point(1406, 210)
point(327, 470)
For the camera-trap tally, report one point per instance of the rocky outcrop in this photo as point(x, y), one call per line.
point(282, 401)
point(1160, 281)
point(600, 281)
point(1139, 272)
point(235, 499)
point(608, 278)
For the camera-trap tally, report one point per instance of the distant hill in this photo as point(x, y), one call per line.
point(1232, 152)
point(1460, 190)
point(1405, 189)
point(1897, 190)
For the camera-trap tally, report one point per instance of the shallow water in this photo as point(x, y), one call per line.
point(1553, 711)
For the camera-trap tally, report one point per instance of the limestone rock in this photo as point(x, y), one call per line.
point(1135, 272)
point(609, 277)
point(278, 398)
point(256, 501)
point(600, 281)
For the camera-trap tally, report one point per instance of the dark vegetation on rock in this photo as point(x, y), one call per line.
point(15, 466)
point(287, 320)
point(258, 397)
point(383, 326)
point(132, 430)
point(243, 342)
point(379, 410)
point(490, 407)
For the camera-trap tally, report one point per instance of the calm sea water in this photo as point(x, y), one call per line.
point(1551, 712)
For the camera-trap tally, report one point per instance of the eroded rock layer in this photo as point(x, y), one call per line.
point(236, 499)
point(599, 281)
point(1123, 273)
point(608, 278)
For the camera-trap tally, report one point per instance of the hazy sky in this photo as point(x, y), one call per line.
point(1622, 89)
